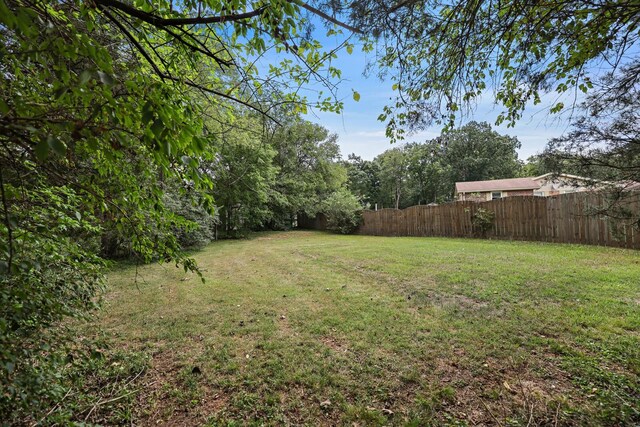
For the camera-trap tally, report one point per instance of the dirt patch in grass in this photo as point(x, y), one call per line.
point(212, 402)
point(286, 236)
point(284, 326)
point(175, 393)
point(421, 292)
point(335, 344)
point(498, 392)
point(451, 301)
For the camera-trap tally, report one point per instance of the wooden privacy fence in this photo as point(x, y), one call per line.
point(567, 218)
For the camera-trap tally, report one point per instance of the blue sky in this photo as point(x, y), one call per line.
point(361, 133)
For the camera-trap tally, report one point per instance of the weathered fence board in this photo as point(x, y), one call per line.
point(567, 218)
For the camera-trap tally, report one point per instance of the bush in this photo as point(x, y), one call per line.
point(195, 226)
point(342, 210)
point(482, 221)
point(47, 279)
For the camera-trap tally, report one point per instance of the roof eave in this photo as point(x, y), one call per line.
point(498, 189)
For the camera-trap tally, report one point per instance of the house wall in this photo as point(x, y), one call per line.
point(474, 197)
point(517, 193)
point(486, 195)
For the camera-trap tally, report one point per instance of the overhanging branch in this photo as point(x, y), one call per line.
point(158, 21)
point(326, 17)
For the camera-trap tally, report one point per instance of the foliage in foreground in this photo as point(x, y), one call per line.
point(604, 144)
point(444, 56)
point(104, 143)
point(101, 112)
point(81, 137)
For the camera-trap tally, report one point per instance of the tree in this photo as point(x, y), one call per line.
point(80, 136)
point(444, 55)
point(363, 180)
point(244, 175)
point(422, 173)
point(534, 166)
point(427, 173)
point(475, 152)
point(342, 210)
point(200, 226)
point(604, 142)
point(540, 164)
point(307, 159)
point(393, 177)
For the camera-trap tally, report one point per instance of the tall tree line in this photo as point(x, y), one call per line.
point(423, 173)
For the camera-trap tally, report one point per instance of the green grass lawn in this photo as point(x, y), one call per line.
point(307, 328)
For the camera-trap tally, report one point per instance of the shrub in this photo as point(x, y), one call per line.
point(342, 210)
point(195, 226)
point(482, 221)
point(47, 278)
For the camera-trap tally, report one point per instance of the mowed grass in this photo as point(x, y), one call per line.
point(307, 328)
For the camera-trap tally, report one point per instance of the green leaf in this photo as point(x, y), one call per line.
point(157, 127)
point(96, 354)
point(557, 108)
point(13, 221)
point(85, 76)
point(349, 49)
point(60, 92)
point(356, 96)
point(42, 150)
point(147, 113)
point(56, 145)
point(93, 143)
point(166, 145)
point(4, 108)
point(106, 79)
point(6, 17)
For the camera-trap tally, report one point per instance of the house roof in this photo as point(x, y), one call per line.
point(497, 185)
point(563, 175)
point(629, 185)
